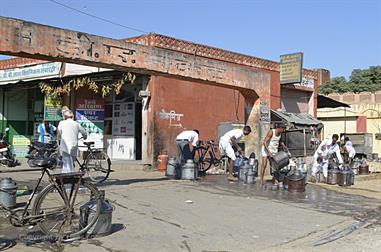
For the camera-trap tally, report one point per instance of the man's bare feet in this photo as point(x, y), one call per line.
point(232, 178)
point(312, 180)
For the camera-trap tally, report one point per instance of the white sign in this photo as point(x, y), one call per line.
point(30, 72)
point(121, 148)
point(124, 119)
point(308, 83)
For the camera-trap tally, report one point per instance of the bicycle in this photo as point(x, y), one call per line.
point(97, 164)
point(207, 156)
point(57, 209)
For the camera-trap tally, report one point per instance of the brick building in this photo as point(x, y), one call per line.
point(174, 104)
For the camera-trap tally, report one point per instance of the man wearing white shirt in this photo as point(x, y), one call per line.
point(68, 133)
point(321, 157)
point(182, 142)
point(227, 141)
point(348, 147)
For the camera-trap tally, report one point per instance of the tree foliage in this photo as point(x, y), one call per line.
point(361, 80)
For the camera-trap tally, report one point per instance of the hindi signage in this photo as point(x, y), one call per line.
point(90, 115)
point(52, 108)
point(30, 72)
point(291, 68)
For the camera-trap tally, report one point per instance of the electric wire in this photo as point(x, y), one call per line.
point(97, 17)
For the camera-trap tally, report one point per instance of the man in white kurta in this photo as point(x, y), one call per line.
point(68, 133)
point(325, 150)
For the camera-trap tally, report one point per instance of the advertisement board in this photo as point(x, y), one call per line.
point(52, 108)
point(291, 68)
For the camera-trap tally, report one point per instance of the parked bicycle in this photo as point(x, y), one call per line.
point(57, 208)
point(96, 164)
point(206, 156)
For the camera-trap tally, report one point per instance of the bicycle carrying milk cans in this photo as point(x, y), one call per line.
point(8, 189)
point(188, 170)
point(162, 161)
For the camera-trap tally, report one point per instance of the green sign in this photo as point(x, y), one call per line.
point(52, 108)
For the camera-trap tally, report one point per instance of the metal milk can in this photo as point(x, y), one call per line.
point(250, 176)
point(188, 170)
point(171, 167)
point(333, 175)
point(243, 169)
point(345, 177)
point(103, 225)
point(8, 189)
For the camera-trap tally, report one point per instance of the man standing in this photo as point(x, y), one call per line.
point(321, 157)
point(348, 147)
point(182, 142)
point(230, 140)
point(46, 132)
point(269, 148)
point(68, 133)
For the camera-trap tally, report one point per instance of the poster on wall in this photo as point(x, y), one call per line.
point(124, 119)
point(90, 115)
point(121, 148)
point(52, 108)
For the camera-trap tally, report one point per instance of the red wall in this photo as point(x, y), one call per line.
point(203, 107)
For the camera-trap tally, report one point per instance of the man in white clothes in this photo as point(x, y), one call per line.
point(182, 142)
point(321, 157)
point(227, 141)
point(348, 147)
point(68, 133)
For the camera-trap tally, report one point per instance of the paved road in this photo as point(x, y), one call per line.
point(151, 214)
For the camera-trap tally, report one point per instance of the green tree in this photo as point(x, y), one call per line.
point(361, 80)
point(335, 85)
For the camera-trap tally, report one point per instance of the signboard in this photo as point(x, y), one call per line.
point(90, 115)
point(52, 108)
point(124, 119)
point(306, 83)
point(20, 145)
point(121, 148)
point(30, 72)
point(264, 111)
point(291, 67)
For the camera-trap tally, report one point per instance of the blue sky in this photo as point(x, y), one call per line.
point(339, 35)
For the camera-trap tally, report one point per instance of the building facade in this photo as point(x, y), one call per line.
point(138, 128)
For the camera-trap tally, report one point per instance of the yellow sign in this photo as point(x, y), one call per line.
point(20, 140)
point(291, 66)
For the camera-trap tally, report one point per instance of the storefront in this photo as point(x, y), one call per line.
point(113, 122)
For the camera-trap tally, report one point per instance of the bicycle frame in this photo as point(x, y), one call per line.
point(25, 219)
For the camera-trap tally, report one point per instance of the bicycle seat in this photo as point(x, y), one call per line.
point(88, 143)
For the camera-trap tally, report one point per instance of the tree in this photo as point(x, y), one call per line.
point(361, 80)
point(335, 85)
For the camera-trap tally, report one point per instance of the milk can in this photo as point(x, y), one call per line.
point(243, 169)
point(295, 181)
point(345, 177)
point(250, 176)
point(364, 168)
point(103, 225)
point(332, 176)
point(188, 170)
point(8, 189)
point(171, 167)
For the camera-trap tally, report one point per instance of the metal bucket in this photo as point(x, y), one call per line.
point(188, 170)
point(8, 189)
point(345, 178)
point(171, 167)
point(103, 225)
point(279, 160)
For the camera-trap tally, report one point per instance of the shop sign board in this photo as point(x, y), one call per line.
point(90, 115)
point(52, 108)
point(30, 72)
point(291, 68)
point(124, 119)
point(20, 145)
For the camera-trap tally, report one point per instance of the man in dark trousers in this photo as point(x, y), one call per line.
point(182, 142)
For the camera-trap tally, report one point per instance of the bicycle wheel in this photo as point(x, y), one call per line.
point(58, 219)
point(98, 166)
point(204, 162)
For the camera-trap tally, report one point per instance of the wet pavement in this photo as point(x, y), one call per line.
point(152, 214)
point(315, 197)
